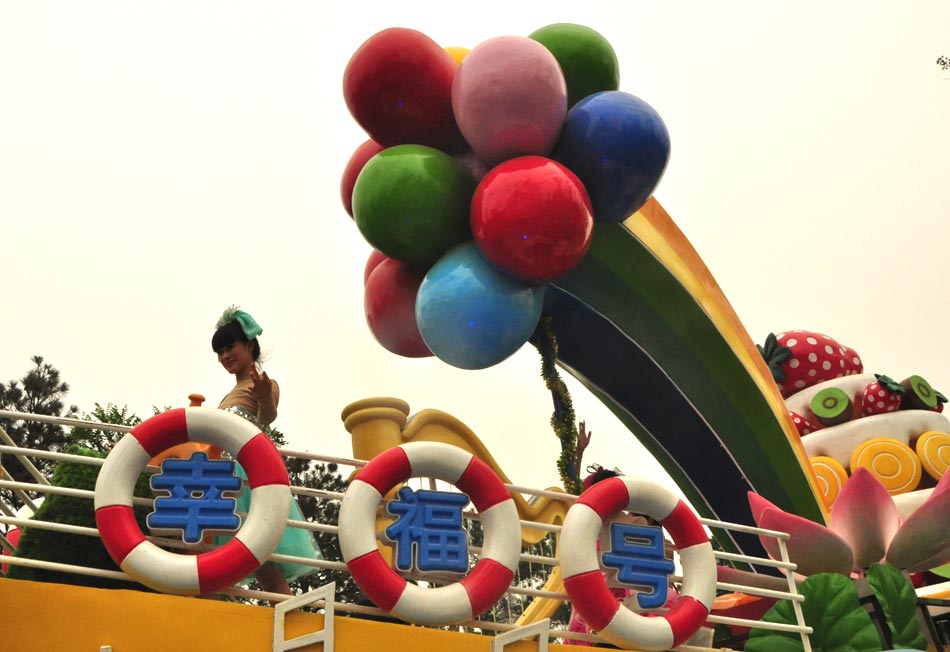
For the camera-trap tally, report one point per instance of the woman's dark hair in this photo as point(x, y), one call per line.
point(231, 333)
point(599, 474)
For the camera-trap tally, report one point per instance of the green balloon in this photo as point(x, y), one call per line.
point(412, 203)
point(587, 59)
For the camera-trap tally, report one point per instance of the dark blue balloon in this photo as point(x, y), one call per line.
point(471, 315)
point(619, 147)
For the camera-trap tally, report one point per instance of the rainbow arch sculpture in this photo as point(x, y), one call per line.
point(643, 325)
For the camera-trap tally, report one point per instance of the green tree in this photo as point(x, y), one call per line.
point(326, 477)
point(102, 440)
point(66, 548)
point(40, 391)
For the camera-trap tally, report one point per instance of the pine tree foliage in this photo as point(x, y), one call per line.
point(318, 509)
point(40, 391)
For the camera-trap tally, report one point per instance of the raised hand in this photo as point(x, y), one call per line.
point(260, 384)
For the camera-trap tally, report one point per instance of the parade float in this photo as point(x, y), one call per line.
point(507, 192)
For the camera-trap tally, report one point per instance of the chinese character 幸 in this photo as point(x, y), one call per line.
point(195, 502)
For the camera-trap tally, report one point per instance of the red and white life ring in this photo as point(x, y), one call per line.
point(210, 571)
point(456, 602)
point(587, 587)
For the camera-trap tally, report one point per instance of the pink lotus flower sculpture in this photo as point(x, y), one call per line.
point(864, 527)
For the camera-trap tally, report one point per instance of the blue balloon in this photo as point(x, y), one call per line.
point(471, 315)
point(618, 145)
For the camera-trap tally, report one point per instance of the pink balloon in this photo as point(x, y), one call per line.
point(389, 300)
point(510, 99)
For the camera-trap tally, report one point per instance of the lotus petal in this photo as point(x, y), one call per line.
point(758, 505)
point(866, 517)
point(814, 548)
point(923, 541)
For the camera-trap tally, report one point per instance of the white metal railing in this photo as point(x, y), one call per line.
point(41, 485)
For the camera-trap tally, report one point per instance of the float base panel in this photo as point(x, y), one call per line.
point(44, 616)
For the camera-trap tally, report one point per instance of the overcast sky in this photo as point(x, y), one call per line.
point(161, 161)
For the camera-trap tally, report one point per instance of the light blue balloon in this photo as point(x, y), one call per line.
point(471, 315)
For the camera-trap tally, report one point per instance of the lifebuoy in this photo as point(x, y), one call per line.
point(210, 571)
point(453, 603)
point(587, 587)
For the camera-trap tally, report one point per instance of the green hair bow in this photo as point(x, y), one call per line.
point(248, 325)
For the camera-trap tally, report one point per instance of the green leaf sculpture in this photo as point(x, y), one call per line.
point(899, 602)
point(832, 609)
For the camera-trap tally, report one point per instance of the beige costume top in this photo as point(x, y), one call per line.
point(242, 396)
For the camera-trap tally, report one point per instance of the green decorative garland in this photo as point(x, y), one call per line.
point(563, 419)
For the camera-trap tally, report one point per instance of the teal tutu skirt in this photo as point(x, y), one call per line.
point(295, 542)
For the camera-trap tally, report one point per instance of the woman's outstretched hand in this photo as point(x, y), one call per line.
point(260, 384)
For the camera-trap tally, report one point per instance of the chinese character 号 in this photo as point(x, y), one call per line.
point(636, 551)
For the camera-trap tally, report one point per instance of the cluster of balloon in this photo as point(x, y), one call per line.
point(482, 179)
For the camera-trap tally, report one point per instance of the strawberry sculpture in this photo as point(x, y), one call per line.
point(882, 395)
point(800, 359)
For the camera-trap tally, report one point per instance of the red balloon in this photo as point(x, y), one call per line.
point(532, 218)
point(363, 153)
point(389, 300)
point(372, 262)
point(13, 536)
point(398, 87)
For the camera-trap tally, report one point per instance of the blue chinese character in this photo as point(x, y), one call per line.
point(429, 522)
point(636, 551)
point(195, 502)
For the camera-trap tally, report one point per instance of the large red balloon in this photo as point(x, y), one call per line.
point(363, 153)
point(532, 218)
point(398, 87)
point(389, 300)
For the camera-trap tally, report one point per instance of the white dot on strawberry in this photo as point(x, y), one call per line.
point(812, 357)
point(881, 393)
point(826, 365)
point(828, 349)
point(800, 384)
point(811, 340)
point(880, 404)
point(856, 360)
point(812, 372)
point(791, 342)
point(794, 363)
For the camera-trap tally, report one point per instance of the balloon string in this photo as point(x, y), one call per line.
point(563, 419)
